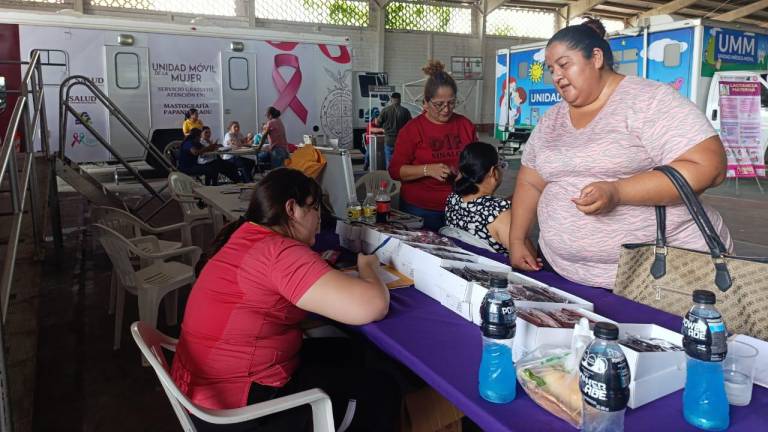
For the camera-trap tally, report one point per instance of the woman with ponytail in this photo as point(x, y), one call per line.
point(240, 339)
point(427, 149)
point(472, 207)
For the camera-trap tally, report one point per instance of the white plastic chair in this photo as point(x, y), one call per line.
point(139, 232)
point(151, 343)
point(370, 181)
point(182, 191)
point(134, 229)
point(150, 283)
point(466, 237)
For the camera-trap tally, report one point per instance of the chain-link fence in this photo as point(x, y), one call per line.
point(41, 3)
point(403, 15)
point(520, 23)
point(353, 13)
point(201, 7)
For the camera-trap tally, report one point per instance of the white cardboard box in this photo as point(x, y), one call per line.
point(450, 290)
point(654, 374)
point(371, 238)
point(479, 291)
point(349, 236)
point(442, 249)
point(408, 258)
point(464, 297)
point(430, 281)
point(528, 336)
point(461, 254)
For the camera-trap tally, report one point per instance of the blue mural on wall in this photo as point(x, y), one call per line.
point(673, 70)
point(501, 76)
point(626, 54)
point(527, 91)
point(529, 88)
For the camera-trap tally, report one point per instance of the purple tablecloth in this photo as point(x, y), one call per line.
point(444, 350)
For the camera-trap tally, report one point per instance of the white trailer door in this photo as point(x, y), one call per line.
point(238, 91)
point(128, 86)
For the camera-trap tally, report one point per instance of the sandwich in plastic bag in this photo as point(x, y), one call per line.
point(550, 375)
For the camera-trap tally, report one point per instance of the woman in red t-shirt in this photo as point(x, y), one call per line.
point(240, 339)
point(428, 147)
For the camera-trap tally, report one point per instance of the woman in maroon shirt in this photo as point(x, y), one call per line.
point(240, 339)
point(428, 147)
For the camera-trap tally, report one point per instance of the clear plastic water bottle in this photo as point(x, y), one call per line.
point(705, 403)
point(369, 208)
point(354, 210)
point(604, 381)
point(497, 376)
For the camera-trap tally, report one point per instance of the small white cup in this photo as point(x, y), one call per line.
point(739, 372)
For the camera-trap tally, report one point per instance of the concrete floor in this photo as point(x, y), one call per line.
point(81, 384)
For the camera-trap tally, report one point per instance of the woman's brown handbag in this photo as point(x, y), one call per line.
point(665, 277)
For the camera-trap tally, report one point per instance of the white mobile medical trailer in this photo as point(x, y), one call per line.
point(154, 72)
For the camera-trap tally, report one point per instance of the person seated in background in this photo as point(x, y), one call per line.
point(372, 129)
point(205, 140)
point(235, 140)
point(240, 340)
point(192, 148)
point(191, 121)
point(471, 206)
point(274, 133)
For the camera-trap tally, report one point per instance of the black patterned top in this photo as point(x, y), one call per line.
point(475, 216)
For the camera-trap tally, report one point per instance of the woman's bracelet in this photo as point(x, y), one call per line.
point(425, 171)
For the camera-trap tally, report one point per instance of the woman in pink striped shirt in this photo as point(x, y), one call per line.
point(586, 169)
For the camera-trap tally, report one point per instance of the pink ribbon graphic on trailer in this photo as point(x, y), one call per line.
point(283, 46)
point(288, 91)
point(342, 58)
point(77, 138)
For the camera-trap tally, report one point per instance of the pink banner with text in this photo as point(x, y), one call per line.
point(740, 128)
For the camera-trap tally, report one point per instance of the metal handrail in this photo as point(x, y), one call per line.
point(65, 108)
point(21, 187)
point(115, 111)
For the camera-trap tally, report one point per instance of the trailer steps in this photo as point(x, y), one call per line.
point(92, 189)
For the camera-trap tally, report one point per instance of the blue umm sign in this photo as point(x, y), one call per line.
point(544, 97)
point(735, 47)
